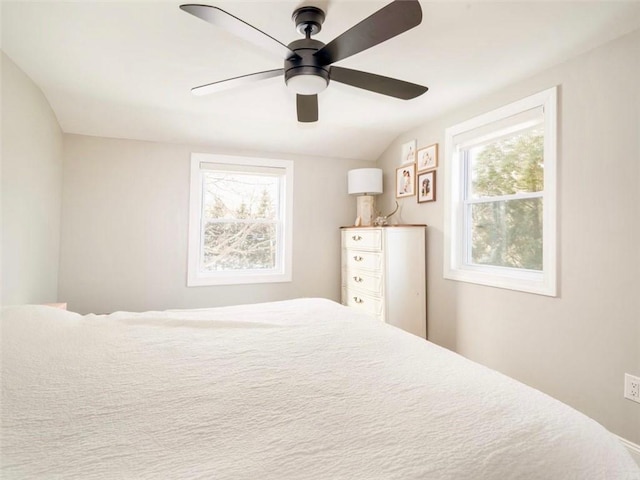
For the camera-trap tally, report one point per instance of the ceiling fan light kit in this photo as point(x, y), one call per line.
point(306, 84)
point(308, 63)
point(303, 73)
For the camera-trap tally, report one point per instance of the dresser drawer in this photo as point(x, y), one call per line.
point(359, 259)
point(365, 303)
point(360, 280)
point(369, 239)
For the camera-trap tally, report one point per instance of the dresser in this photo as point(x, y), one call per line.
point(384, 274)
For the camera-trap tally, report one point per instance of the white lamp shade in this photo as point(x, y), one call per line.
point(365, 181)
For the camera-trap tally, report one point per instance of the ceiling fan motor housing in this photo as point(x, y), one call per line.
point(305, 63)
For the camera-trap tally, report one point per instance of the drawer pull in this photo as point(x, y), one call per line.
point(357, 258)
point(357, 279)
point(358, 300)
point(356, 238)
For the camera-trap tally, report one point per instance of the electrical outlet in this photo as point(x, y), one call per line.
point(632, 387)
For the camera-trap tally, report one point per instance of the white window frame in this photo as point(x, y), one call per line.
point(201, 162)
point(456, 265)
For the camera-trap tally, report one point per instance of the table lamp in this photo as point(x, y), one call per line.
point(365, 182)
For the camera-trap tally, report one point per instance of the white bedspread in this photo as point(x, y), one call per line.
point(305, 389)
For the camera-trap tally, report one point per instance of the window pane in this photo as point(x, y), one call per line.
point(241, 211)
point(234, 195)
point(239, 246)
point(510, 165)
point(507, 233)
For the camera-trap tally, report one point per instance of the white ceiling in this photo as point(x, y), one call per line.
point(125, 69)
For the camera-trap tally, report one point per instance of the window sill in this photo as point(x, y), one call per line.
point(527, 281)
point(235, 279)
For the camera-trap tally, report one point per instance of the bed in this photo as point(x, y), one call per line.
point(301, 389)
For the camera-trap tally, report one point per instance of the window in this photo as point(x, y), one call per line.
point(240, 220)
point(500, 224)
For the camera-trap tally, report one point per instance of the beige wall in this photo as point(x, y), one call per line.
point(576, 347)
point(31, 191)
point(125, 221)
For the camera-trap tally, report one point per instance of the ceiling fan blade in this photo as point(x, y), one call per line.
point(307, 106)
point(394, 19)
point(238, 27)
point(235, 82)
point(377, 83)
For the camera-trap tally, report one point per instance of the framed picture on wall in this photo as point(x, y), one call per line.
point(428, 158)
point(406, 181)
point(408, 152)
point(427, 186)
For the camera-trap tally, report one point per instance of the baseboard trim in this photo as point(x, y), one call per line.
point(634, 449)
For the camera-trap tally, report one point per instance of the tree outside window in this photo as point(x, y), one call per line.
point(506, 226)
point(240, 221)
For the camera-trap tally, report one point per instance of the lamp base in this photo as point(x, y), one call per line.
point(365, 206)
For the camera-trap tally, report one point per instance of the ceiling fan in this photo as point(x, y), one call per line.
point(308, 63)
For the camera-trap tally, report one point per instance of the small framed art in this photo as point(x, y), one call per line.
point(427, 186)
point(428, 158)
point(406, 181)
point(408, 154)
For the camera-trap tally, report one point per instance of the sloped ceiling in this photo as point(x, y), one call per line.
point(125, 69)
